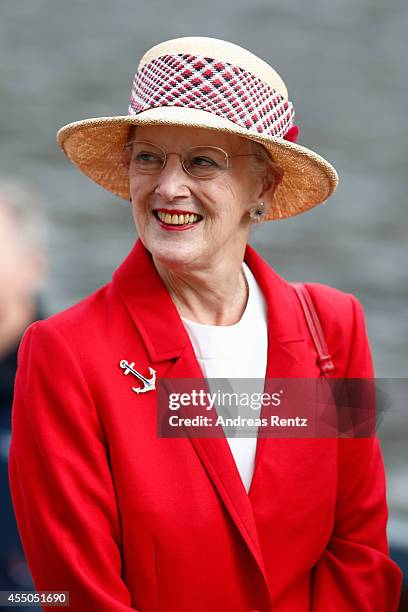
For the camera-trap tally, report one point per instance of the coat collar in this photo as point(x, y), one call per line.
point(150, 305)
point(165, 338)
point(157, 318)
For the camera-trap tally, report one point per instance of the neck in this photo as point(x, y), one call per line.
point(208, 296)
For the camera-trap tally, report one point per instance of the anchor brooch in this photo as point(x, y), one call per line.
point(148, 383)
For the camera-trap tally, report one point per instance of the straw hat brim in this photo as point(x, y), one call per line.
point(96, 147)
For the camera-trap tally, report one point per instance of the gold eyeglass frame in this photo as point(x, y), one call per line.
point(128, 146)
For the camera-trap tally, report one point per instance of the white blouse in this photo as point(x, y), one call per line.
point(236, 351)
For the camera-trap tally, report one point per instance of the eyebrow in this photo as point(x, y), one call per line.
point(235, 152)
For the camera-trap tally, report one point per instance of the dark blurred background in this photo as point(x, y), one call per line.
point(345, 63)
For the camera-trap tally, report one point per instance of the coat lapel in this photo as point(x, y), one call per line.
point(287, 347)
point(166, 340)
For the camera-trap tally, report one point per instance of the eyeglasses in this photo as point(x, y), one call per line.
point(201, 162)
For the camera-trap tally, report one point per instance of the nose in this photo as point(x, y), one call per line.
point(172, 180)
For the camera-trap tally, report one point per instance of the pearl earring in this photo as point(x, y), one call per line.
point(257, 212)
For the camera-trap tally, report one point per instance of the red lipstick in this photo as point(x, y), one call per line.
point(175, 211)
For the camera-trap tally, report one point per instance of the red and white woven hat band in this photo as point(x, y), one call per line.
point(220, 88)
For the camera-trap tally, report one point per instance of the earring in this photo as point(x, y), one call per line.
point(257, 212)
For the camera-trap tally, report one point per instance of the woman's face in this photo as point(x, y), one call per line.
point(222, 202)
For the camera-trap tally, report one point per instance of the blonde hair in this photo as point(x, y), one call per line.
point(263, 162)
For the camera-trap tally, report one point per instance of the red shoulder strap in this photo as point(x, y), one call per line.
point(315, 328)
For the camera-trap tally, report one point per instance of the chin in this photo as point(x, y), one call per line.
point(175, 254)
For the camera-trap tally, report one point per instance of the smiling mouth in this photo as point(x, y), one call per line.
point(179, 218)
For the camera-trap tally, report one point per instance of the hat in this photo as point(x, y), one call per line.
point(205, 83)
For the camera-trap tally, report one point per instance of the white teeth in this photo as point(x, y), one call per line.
point(176, 219)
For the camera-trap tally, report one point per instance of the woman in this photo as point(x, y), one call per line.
point(108, 510)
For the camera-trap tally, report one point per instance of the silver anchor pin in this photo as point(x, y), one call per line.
point(148, 383)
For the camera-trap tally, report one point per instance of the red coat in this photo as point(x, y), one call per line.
point(125, 520)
